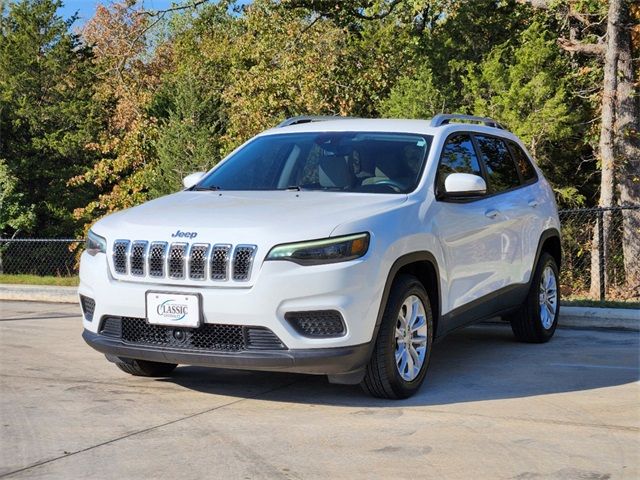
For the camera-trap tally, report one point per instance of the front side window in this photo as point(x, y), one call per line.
point(458, 156)
point(325, 161)
point(501, 171)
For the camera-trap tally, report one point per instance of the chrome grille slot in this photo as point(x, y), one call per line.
point(120, 255)
point(198, 261)
point(176, 261)
point(242, 260)
point(157, 257)
point(137, 259)
point(220, 262)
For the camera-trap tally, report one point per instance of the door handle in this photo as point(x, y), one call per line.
point(533, 203)
point(491, 213)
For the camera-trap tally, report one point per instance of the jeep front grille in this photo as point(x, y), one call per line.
point(242, 259)
point(220, 262)
point(183, 261)
point(120, 256)
point(138, 255)
point(157, 257)
point(198, 262)
point(177, 258)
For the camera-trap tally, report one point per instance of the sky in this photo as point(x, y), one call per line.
point(86, 8)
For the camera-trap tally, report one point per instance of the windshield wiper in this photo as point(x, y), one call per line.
point(211, 188)
point(293, 188)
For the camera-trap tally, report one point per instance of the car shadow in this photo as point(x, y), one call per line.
point(482, 362)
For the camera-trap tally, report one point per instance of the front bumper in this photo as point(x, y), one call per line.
point(351, 288)
point(320, 361)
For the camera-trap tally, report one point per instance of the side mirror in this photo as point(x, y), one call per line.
point(190, 180)
point(464, 185)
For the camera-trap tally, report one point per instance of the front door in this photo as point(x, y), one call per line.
point(478, 236)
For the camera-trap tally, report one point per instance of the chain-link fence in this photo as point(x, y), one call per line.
point(595, 269)
point(591, 269)
point(56, 257)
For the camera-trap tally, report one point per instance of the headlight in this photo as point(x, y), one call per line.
point(328, 250)
point(95, 244)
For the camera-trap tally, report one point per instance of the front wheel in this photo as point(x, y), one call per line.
point(537, 319)
point(402, 351)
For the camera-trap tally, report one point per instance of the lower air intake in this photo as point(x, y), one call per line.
point(317, 323)
point(207, 337)
point(88, 307)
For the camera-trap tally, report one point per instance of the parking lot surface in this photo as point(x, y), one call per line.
point(490, 408)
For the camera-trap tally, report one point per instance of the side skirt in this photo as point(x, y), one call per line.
point(500, 302)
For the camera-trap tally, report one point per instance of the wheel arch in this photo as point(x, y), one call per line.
point(549, 242)
point(422, 265)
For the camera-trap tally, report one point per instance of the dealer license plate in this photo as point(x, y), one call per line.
point(173, 309)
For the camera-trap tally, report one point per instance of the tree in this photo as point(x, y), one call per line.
point(15, 215)
point(414, 96)
point(188, 133)
point(618, 147)
point(507, 67)
point(47, 116)
point(523, 83)
point(126, 144)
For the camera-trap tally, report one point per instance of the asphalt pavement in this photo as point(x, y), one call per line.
point(490, 408)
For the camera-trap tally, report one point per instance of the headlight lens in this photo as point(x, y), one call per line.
point(95, 244)
point(328, 250)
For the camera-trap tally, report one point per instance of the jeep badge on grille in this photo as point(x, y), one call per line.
point(181, 234)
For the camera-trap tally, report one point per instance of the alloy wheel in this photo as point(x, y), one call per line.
point(411, 338)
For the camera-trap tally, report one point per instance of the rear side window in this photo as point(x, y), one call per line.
point(524, 164)
point(458, 156)
point(501, 171)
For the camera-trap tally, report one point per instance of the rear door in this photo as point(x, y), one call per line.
point(504, 184)
point(531, 198)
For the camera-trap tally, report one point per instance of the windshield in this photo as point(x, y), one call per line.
point(335, 161)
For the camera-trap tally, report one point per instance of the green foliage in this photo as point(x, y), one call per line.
point(47, 115)
point(188, 138)
point(95, 124)
point(14, 214)
point(414, 97)
point(523, 84)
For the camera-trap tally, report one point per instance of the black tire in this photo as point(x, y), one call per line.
point(382, 378)
point(144, 368)
point(526, 323)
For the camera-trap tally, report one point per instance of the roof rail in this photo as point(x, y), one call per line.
point(309, 119)
point(445, 118)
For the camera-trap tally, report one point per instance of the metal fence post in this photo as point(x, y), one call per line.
point(601, 265)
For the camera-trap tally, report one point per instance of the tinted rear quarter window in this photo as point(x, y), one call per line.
point(501, 171)
point(524, 164)
point(458, 156)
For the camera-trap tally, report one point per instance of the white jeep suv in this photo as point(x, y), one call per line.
point(331, 246)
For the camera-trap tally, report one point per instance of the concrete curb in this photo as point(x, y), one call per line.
point(578, 317)
point(594, 317)
point(38, 293)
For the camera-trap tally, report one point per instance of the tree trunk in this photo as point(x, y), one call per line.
point(627, 137)
point(606, 145)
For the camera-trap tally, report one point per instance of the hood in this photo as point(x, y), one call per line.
point(263, 218)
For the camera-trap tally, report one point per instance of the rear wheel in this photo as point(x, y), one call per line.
point(144, 368)
point(402, 352)
point(537, 319)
